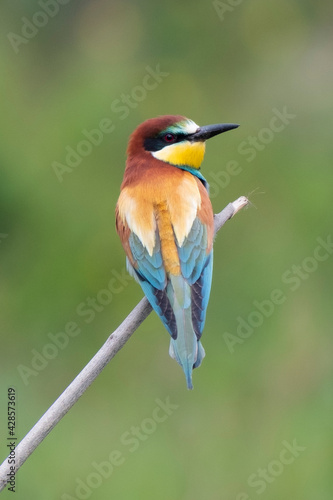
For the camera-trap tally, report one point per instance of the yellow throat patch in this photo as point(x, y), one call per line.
point(186, 153)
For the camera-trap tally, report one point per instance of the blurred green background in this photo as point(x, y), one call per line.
point(66, 67)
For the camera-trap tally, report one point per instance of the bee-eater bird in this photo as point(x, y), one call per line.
point(165, 221)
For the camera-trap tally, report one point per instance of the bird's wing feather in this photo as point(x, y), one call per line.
point(149, 271)
point(200, 292)
point(150, 267)
point(196, 267)
point(192, 253)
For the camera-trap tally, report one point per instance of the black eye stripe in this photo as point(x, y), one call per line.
point(159, 142)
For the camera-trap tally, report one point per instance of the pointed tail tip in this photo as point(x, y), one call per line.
point(188, 375)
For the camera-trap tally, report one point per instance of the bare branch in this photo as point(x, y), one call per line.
point(90, 372)
point(228, 212)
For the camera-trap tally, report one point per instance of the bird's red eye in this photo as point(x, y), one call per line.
point(169, 138)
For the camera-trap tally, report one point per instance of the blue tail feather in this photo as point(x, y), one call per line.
point(185, 348)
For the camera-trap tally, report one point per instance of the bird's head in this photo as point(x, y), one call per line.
point(174, 139)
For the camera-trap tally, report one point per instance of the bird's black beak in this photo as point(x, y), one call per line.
point(208, 131)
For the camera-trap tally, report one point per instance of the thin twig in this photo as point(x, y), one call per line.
point(90, 372)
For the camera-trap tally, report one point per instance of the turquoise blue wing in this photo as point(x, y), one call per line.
point(200, 292)
point(150, 267)
point(150, 273)
point(197, 268)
